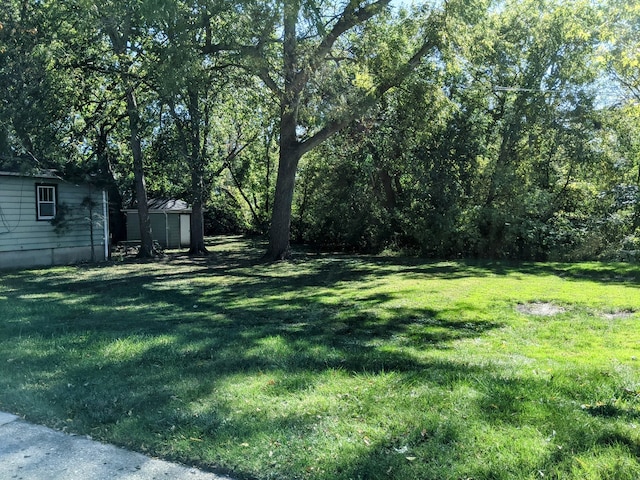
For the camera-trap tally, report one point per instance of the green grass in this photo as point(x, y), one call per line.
point(333, 366)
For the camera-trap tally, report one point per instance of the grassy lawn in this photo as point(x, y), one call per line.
point(335, 367)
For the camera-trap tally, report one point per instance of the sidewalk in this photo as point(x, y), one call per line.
point(32, 452)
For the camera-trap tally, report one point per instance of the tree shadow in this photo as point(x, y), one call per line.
point(148, 346)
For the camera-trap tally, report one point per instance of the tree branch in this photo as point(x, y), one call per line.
point(349, 18)
point(336, 125)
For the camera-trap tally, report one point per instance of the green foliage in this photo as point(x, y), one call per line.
point(506, 140)
point(35, 129)
point(337, 206)
point(497, 150)
point(224, 216)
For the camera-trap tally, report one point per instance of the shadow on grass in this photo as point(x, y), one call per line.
point(154, 356)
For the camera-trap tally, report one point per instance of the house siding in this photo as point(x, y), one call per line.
point(26, 241)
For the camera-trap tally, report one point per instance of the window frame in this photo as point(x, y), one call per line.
point(42, 187)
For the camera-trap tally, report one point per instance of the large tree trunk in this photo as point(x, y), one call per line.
point(197, 166)
point(197, 246)
point(280, 231)
point(146, 240)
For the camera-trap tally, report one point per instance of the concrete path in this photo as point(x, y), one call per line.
point(33, 452)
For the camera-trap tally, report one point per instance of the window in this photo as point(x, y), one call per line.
point(45, 202)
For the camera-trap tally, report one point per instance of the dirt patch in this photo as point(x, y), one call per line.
point(617, 315)
point(543, 309)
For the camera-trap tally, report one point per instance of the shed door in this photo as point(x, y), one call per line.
point(185, 230)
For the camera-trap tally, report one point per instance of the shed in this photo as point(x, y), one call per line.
point(47, 220)
point(170, 223)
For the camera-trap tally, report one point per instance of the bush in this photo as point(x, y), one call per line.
point(223, 219)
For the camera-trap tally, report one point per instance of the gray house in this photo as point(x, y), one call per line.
point(45, 220)
point(170, 223)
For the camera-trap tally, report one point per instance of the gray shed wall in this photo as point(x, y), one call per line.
point(166, 237)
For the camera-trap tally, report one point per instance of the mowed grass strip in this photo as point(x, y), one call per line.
point(333, 366)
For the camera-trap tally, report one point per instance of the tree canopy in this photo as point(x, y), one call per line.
point(495, 129)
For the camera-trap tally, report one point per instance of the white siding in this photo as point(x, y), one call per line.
point(20, 231)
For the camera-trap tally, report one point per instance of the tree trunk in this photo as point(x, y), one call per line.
point(390, 200)
point(197, 165)
point(117, 220)
point(279, 248)
point(146, 240)
point(290, 152)
point(197, 246)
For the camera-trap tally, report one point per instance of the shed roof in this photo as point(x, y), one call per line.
point(165, 205)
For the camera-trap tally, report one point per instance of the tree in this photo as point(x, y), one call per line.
point(214, 120)
point(623, 62)
point(490, 151)
point(535, 62)
point(186, 86)
point(121, 28)
point(622, 54)
point(315, 53)
point(109, 42)
point(35, 127)
point(401, 176)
